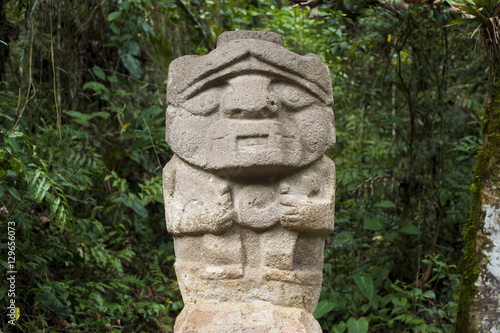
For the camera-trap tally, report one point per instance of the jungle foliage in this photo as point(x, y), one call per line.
point(82, 103)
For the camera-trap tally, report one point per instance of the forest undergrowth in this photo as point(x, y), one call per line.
point(82, 147)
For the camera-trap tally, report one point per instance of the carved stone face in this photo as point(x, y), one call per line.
point(248, 118)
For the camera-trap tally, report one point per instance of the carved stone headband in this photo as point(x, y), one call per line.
point(250, 52)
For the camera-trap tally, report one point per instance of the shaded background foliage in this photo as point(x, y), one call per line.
point(82, 147)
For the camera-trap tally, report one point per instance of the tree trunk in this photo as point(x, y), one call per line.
point(479, 298)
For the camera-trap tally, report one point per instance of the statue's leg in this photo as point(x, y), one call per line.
point(223, 255)
point(277, 250)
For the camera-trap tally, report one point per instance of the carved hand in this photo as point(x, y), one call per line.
point(301, 213)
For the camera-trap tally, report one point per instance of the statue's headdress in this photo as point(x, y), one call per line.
point(240, 52)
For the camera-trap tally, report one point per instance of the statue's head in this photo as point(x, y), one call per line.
point(250, 106)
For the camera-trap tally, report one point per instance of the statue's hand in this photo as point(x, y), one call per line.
point(293, 209)
point(298, 212)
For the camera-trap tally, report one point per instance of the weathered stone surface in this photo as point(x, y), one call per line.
point(249, 107)
point(249, 195)
point(245, 318)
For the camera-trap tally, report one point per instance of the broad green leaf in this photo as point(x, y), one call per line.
point(114, 15)
point(100, 114)
point(44, 192)
point(323, 308)
point(15, 134)
point(340, 327)
point(415, 293)
point(133, 48)
point(443, 196)
point(99, 72)
point(147, 28)
point(61, 217)
point(429, 294)
point(83, 119)
point(357, 326)
point(14, 193)
point(410, 229)
point(114, 28)
point(112, 79)
point(372, 225)
point(365, 285)
point(130, 62)
point(124, 38)
point(131, 201)
point(95, 86)
point(31, 182)
point(54, 207)
point(40, 189)
point(386, 204)
point(54, 296)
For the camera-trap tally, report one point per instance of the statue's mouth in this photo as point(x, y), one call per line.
point(235, 143)
point(252, 142)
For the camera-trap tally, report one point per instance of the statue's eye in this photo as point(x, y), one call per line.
point(293, 96)
point(204, 102)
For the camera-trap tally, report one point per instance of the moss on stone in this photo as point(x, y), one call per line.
point(486, 174)
point(470, 262)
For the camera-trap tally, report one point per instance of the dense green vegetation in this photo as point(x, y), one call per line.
point(82, 103)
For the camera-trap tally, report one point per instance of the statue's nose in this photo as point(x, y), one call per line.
point(250, 97)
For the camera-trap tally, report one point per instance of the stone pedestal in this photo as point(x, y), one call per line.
point(249, 196)
point(245, 318)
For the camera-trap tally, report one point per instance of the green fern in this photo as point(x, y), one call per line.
point(33, 179)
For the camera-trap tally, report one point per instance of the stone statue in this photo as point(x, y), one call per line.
point(249, 195)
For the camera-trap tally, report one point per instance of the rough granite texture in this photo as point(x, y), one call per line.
point(249, 195)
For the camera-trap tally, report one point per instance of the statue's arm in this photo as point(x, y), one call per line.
point(193, 203)
point(309, 207)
